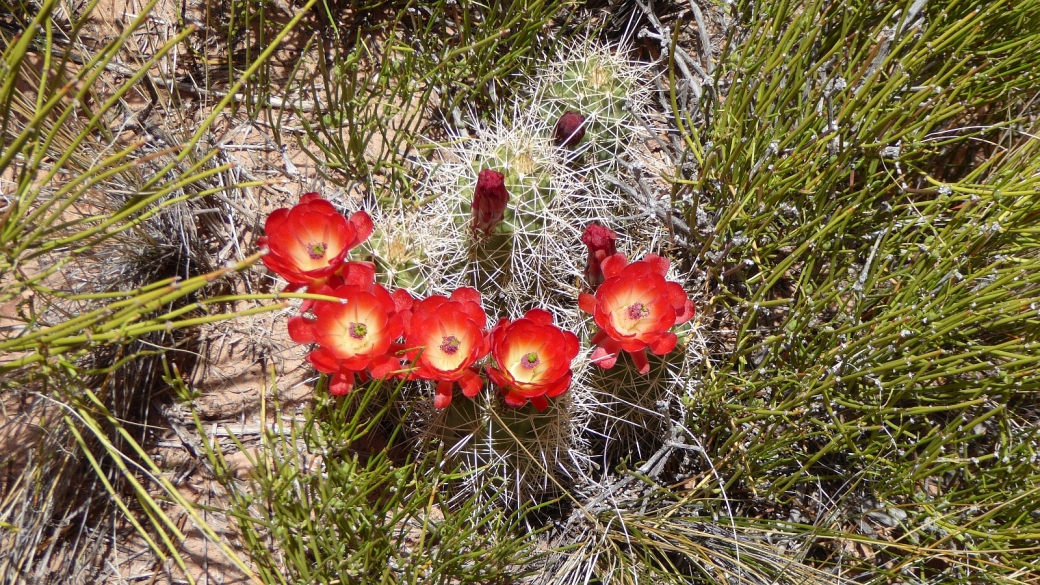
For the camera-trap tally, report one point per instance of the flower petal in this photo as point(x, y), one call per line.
point(613, 265)
point(571, 347)
point(277, 217)
point(465, 294)
point(676, 295)
point(363, 226)
point(471, 383)
point(559, 387)
point(309, 197)
point(382, 366)
point(539, 402)
point(606, 355)
point(664, 344)
point(341, 383)
point(514, 400)
point(361, 274)
point(658, 264)
point(539, 316)
point(587, 303)
point(442, 398)
point(402, 300)
point(301, 329)
point(686, 313)
point(639, 358)
point(324, 361)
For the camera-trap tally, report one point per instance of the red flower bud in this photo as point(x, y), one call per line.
point(569, 130)
point(489, 200)
point(600, 241)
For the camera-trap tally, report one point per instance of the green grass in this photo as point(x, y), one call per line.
point(862, 185)
point(330, 503)
point(101, 271)
point(875, 250)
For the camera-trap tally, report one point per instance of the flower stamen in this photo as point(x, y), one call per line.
point(450, 344)
point(358, 330)
point(530, 361)
point(317, 251)
point(637, 311)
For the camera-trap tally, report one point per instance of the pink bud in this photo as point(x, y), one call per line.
point(600, 242)
point(569, 130)
point(489, 200)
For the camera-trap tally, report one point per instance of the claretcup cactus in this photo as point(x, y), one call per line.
point(400, 248)
point(628, 413)
point(606, 89)
point(514, 455)
point(645, 349)
point(534, 255)
point(530, 257)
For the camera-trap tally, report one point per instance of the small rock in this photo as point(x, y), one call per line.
point(883, 518)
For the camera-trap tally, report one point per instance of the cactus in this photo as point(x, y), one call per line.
point(535, 258)
point(600, 84)
point(514, 455)
point(532, 253)
point(626, 412)
point(397, 247)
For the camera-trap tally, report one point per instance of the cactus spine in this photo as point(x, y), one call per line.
point(535, 257)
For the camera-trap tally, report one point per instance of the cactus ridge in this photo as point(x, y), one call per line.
point(513, 455)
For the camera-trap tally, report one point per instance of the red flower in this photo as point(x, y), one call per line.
point(635, 308)
point(489, 200)
point(569, 129)
point(601, 245)
point(354, 335)
point(533, 359)
point(308, 243)
point(448, 337)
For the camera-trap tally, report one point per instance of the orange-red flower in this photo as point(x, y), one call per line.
point(490, 199)
point(569, 129)
point(445, 340)
point(532, 359)
point(354, 336)
point(635, 308)
point(308, 244)
point(600, 242)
